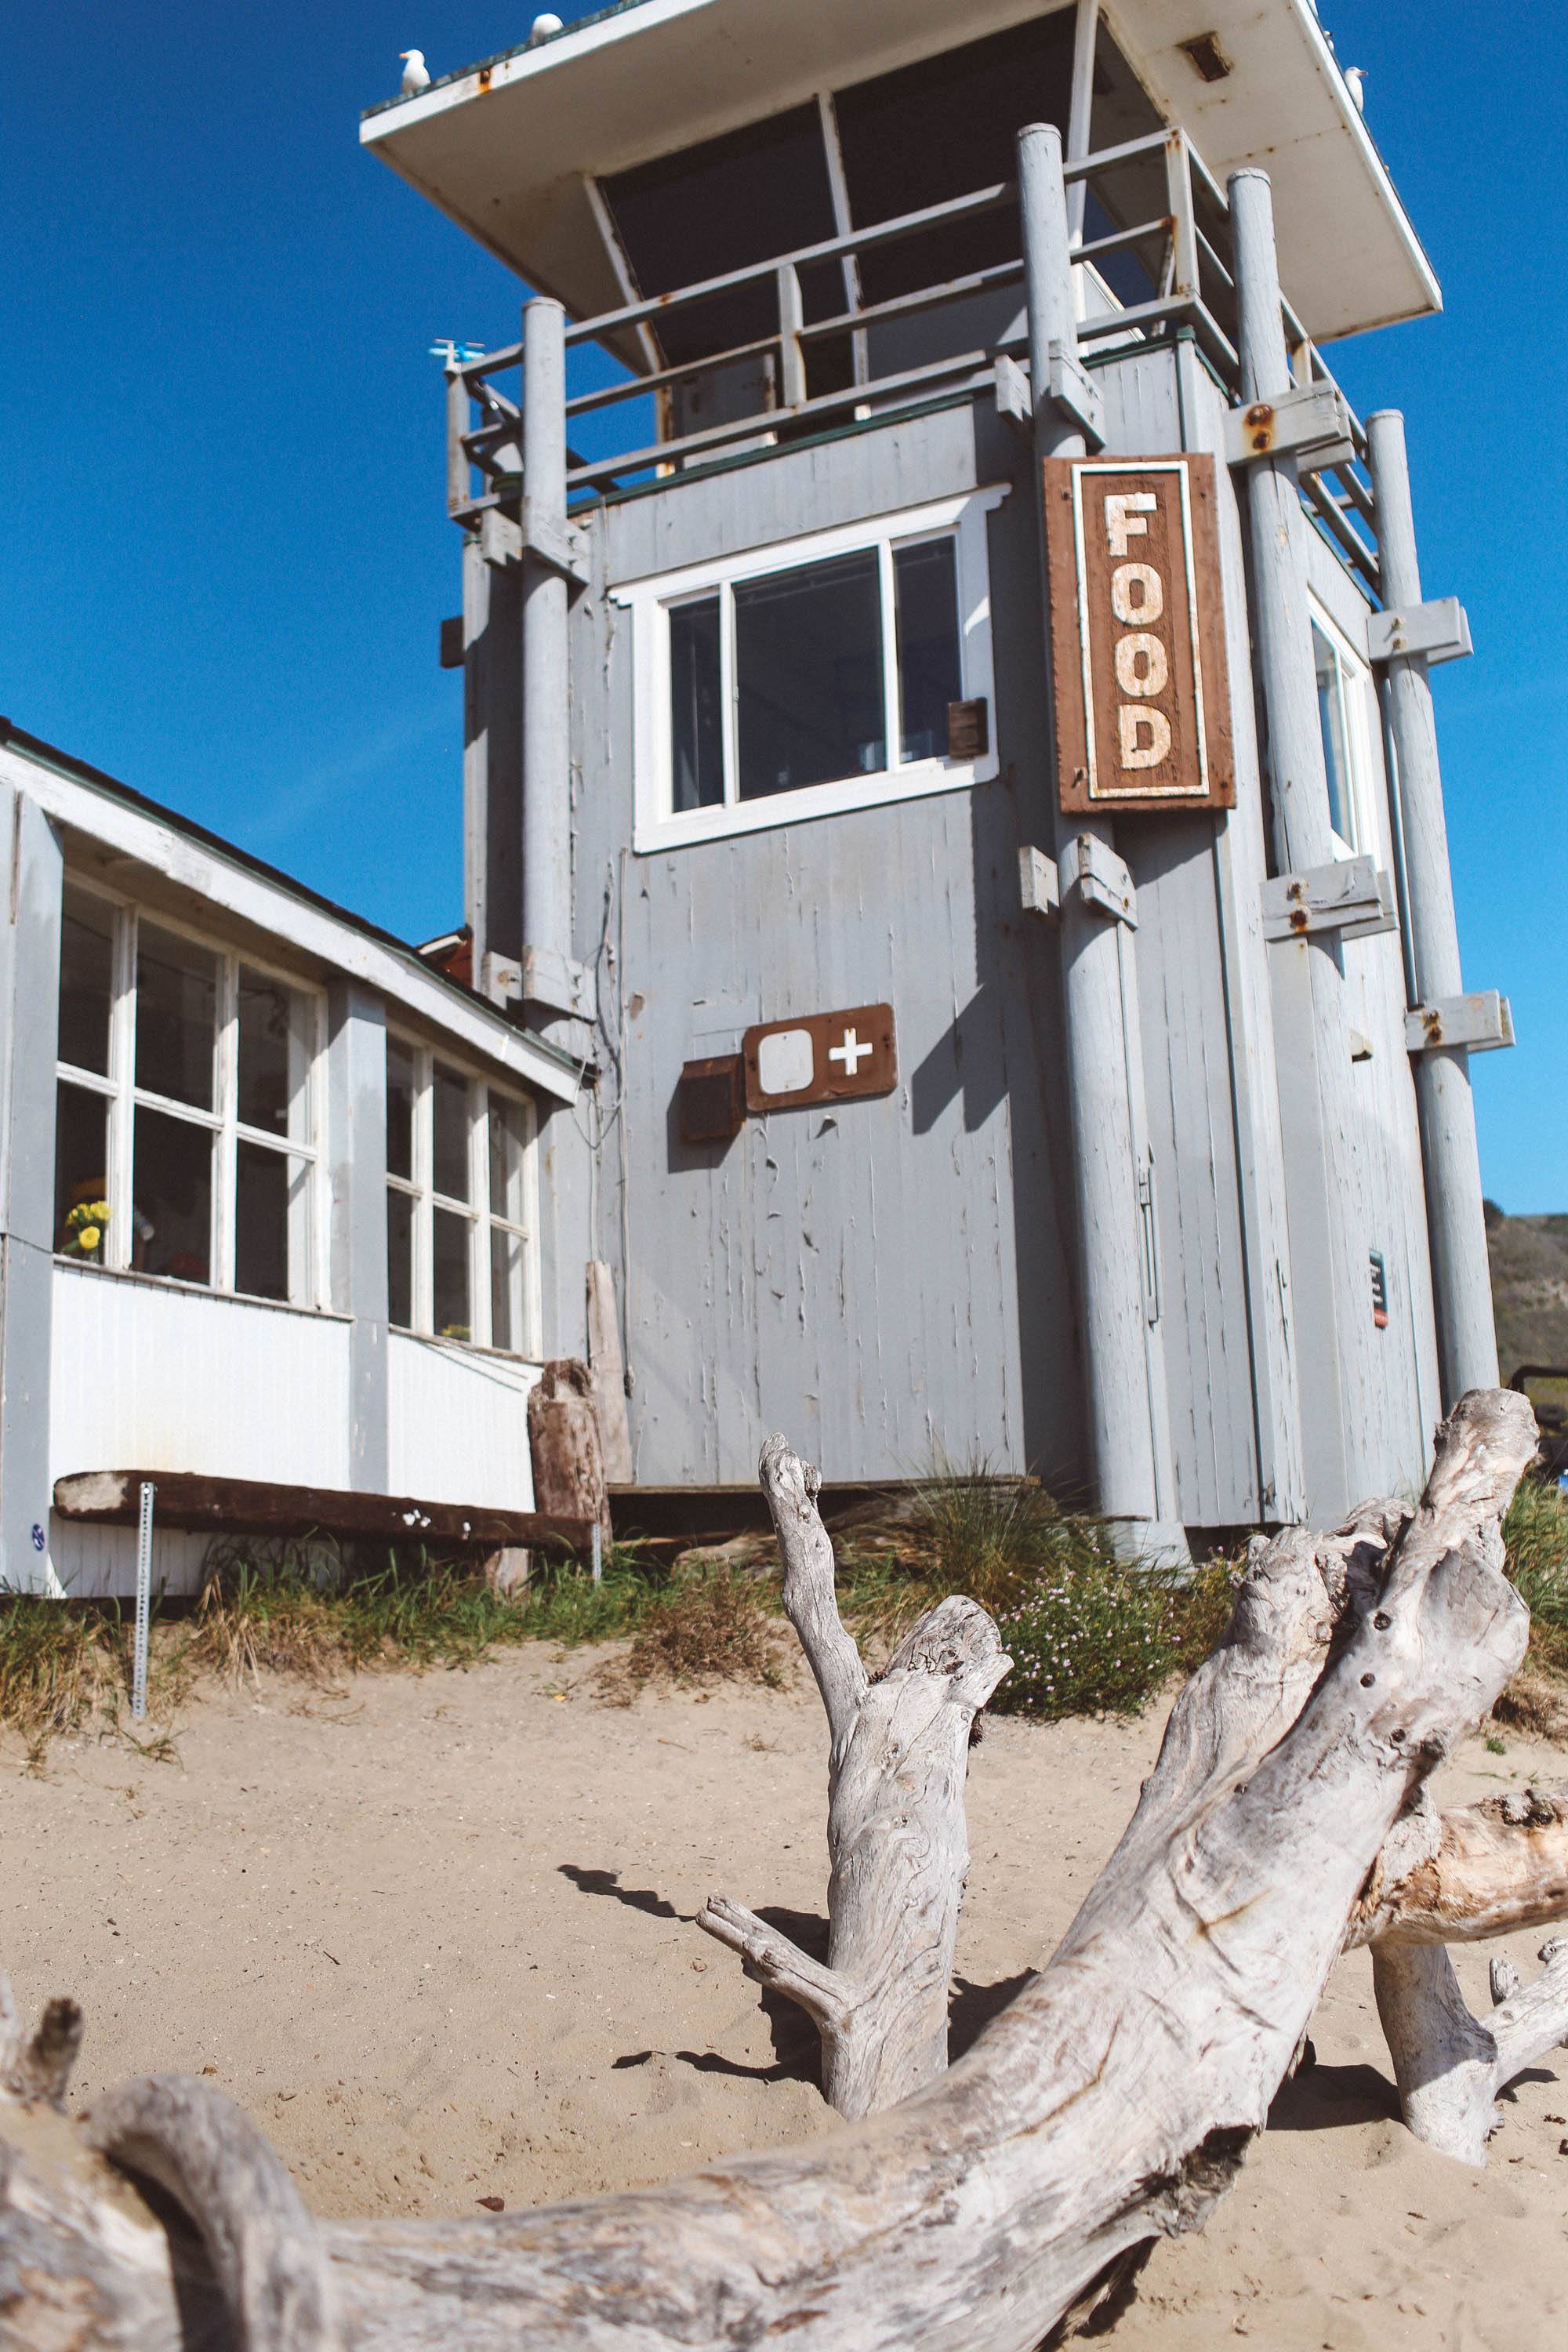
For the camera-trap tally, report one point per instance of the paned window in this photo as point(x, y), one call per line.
point(796, 682)
point(187, 1109)
point(459, 1172)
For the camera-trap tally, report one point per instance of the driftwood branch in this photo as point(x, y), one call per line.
point(897, 1841)
point(1109, 2106)
point(1483, 1869)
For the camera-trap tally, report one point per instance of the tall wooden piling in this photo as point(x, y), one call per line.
point(546, 772)
point(1461, 1278)
point(1329, 1241)
point(1123, 1366)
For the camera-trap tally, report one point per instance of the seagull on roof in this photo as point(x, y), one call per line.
point(415, 72)
point(1354, 76)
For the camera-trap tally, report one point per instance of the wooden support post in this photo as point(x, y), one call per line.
point(356, 1127)
point(31, 873)
point(1329, 1236)
point(1080, 110)
point(546, 768)
point(1123, 1364)
point(456, 426)
point(1461, 1278)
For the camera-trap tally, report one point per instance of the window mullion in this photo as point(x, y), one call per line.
point(479, 1226)
point(122, 1117)
point(530, 1338)
point(227, 1173)
point(892, 733)
point(425, 1177)
point(728, 694)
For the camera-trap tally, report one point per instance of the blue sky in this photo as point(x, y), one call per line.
point(226, 552)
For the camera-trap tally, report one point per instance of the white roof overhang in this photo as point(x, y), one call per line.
point(504, 149)
point(220, 883)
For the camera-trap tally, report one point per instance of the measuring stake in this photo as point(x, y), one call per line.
point(598, 1553)
point(144, 1601)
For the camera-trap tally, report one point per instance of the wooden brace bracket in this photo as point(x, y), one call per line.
point(1441, 629)
point(1312, 425)
point(503, 542)
point(1076, 395)
point(1039, 884)
point(1071, 387)
point(559, 983)
point(1102, 878)
point(1482, 1021)
point(1350, 895)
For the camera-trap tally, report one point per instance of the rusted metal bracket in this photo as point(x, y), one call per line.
point(1039, 885)
point(503, 542)
point(1102, 878)
point(1480, 1022)
point(1072, 388)
point(1440, 628)
point(1312, 425)
point(1351, 896)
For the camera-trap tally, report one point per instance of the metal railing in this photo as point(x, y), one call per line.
point(1182, 249)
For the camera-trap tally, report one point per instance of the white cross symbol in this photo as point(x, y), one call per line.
point(851, 1053)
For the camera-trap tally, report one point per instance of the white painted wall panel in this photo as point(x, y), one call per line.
point(147, 1376)
point(96, 1563)
point(458, 1425)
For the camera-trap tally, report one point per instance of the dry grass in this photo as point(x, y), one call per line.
point(1089, 1634)
point(708, 1625)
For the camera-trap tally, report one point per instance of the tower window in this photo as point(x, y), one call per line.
point(820, 675)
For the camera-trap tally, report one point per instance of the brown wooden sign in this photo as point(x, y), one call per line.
point(821, 1057)
point(1138, 668)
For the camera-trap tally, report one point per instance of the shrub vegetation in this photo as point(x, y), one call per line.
point(1089, 1633)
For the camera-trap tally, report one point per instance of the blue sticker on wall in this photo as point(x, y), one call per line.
point(37, 1537)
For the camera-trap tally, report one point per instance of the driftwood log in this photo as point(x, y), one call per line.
point(897, 1842)
point(1108, 2107)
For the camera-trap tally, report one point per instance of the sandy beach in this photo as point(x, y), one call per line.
point(434, 1932)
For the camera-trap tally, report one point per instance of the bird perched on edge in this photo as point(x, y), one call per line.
point(415, 72)
point(1355, 76)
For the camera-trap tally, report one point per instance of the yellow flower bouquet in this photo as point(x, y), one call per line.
point(84, 1228)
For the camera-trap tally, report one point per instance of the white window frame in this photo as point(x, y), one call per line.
point(656, 824)
point(125, 1097)
point(1357, 708)
point(478, 1211)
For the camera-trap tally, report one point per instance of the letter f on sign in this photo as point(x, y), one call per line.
point(1124, 513)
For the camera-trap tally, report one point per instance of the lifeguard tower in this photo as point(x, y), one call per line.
point(949, 744)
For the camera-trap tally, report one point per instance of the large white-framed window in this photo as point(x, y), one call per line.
point(187, 1125)
point(461, 1203)
point(1346, 708)
point(803, 679)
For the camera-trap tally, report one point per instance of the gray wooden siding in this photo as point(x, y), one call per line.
point(891, 1281)
point(887, 1281)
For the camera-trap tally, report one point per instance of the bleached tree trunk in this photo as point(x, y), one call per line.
point(1108, 2107)
point(1457, 1877)
point(897, 1842)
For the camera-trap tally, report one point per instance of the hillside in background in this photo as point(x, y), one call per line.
point(1529, 1288)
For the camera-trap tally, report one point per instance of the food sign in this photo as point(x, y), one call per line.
point(1142, 717)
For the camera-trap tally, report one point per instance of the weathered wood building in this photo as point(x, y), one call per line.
point(272, 1228)
point(1164, 1182)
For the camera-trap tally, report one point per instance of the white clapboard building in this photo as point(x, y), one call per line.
point(271, 1203)
point(924, 591)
